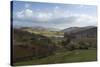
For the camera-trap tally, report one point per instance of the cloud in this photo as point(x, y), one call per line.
point(57, 17)
point(40, 15)
point(24, 15)
point(27, 13)
point(78, 20)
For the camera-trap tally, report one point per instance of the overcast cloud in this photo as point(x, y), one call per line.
point(58, 17)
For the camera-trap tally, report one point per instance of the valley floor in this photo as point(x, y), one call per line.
point(64, 57)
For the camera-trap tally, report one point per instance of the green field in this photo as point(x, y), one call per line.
point(45, 32)
point(64, 57)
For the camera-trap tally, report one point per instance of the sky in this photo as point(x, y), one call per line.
point(53, 15)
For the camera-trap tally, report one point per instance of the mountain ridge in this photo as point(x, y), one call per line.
point(77, 29)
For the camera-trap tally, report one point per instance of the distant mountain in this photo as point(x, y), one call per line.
point(76, 29)
point(53, 29)
point(39, 28)
point(70, 29)
point(44, 28)
point(82, 32)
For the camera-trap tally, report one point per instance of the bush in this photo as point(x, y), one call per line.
point(72, 46)
point(83, 45)
point(90, 42)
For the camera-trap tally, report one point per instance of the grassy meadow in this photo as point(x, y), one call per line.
point(64, 57)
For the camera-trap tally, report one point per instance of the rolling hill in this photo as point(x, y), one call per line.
point(28, 45)
point(77, 29)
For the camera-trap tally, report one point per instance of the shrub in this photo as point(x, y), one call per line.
point(72, 46)
point(83, 45)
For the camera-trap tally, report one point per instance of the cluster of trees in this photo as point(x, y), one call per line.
point(71, 43)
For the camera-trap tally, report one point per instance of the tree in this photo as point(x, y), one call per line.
point(68, 38)
point(83, 45)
